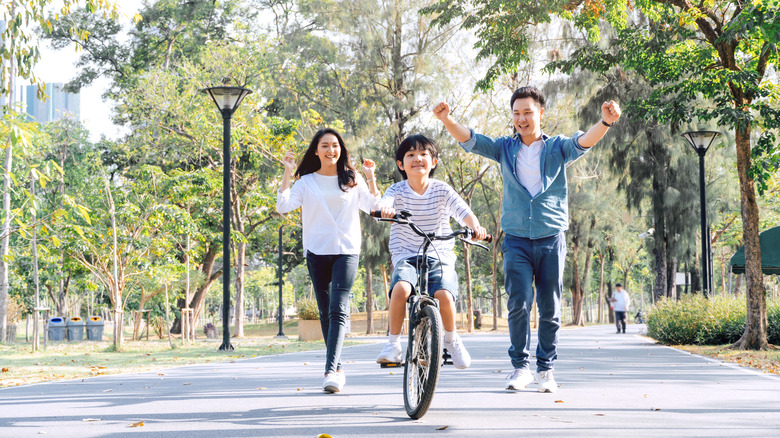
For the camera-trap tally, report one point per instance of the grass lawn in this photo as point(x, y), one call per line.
point(767, 361)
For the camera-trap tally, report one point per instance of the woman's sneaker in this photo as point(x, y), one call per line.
point(390, 354)
point(334, 382)
point(460, 357)
point(547, 381)
point(519, 379)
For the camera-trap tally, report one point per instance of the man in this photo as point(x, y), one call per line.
point(535, 219)
point(620, 304)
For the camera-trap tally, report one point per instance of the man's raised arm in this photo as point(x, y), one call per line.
point(459, 132)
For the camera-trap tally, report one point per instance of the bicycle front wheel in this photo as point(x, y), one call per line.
point(423, 362)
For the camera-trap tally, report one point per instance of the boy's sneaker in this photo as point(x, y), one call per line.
point(390, 354)
point(334, 382)
point(547, 381)
point(460, 357)
point(519, 379)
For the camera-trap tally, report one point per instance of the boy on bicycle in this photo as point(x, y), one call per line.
point(432, 203)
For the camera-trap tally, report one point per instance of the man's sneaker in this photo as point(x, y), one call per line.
point(547, 381)
point(519, 379)
point(460, 357)
point(334, 382)
point(390, 354)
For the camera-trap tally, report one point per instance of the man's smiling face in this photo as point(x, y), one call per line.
point(527, 118)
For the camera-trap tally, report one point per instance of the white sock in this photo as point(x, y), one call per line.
point(395, 339)
point(450, 336)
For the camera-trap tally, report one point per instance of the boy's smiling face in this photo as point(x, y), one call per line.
point(417, 163)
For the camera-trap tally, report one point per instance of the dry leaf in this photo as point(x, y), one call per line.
point(442, 428)
point(5, 370)
point(107, 390)
point(136, 424)
point(558, 401)
point(261, 388)
point(185, 384)
point(324, 435)
point(599, 415)
point(655, 409)
point(89, 420)
point(160, 374)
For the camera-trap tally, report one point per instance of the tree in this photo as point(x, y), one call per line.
point(719, 51)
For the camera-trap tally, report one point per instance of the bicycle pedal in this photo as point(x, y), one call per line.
point(391, 365)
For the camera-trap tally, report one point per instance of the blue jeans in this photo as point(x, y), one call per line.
point(541, 262)
point(332, 277)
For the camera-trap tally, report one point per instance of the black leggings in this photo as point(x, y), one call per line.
point(620, 320)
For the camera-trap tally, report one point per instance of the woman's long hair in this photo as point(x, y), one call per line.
point(311, 162)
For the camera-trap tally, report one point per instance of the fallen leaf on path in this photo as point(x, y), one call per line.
point(497, 371)
point(324, 435)
point(107, 390)
point(5, 370)
point(261, 388)
point(160, 374)
point(558, 401)
point(188, 383)
point(655, 409)
point(136, 424)
point(89, 420)
point(442, 428)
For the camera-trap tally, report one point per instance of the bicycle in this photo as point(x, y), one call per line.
point(425, 353)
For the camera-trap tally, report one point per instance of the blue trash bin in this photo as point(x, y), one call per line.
point(56, 329)
point(95, 328)
point(75, 329)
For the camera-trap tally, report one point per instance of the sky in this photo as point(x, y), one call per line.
point(59, 66)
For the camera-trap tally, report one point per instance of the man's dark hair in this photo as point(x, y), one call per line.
point(523, 92)
point(619, 285)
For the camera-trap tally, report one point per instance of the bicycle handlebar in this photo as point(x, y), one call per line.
point(402, 217)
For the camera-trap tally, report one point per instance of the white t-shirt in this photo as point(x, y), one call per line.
point(622, 301)
point(331, 192)
point(528, 165)
point(431, 211)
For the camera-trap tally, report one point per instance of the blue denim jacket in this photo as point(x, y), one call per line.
point(546, 214)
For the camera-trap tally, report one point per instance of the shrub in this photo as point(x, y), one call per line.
point(307, 309)
point(773, 314)
point(696, 320)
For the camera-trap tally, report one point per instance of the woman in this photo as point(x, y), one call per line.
point(329, 192)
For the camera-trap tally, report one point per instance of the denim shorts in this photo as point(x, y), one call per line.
point(440, 275)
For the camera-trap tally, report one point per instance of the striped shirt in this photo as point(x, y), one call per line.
point(431, 211)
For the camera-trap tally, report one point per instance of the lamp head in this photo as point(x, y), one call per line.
point(701, 140)
point(227, 99)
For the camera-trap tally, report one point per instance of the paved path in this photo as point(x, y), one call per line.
point(610, 385)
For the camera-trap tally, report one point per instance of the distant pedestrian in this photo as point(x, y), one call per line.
point(620, 304)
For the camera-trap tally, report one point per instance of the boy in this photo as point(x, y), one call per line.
point(432, 204)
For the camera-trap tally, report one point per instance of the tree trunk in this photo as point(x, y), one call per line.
point(369, 301)
point(576, 288)
point(469, 296)
point(755, 336)
point(602, 297)
point(695, 278)
point(239, 310)
point(199, 297)
point(5, 232)
point(671, 274)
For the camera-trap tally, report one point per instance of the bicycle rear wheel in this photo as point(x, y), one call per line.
point(423, 362)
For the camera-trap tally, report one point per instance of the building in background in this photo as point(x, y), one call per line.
point(58, 105)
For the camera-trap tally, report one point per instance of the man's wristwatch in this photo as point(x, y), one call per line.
point(607, 124)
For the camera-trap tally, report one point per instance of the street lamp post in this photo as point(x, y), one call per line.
point(227, 100)
point(280, 315)
point(701, 141)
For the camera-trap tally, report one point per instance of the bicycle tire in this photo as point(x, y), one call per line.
point(423, 362)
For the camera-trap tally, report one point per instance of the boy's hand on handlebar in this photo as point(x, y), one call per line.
point(479, 233)
point(384, 213)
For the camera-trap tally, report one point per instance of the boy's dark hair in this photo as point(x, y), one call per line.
point(417, 142)
point(619, 285)
point(311, 163)
point(523, 92)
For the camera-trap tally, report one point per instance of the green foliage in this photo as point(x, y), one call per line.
point(307, 309)
point(697, 320)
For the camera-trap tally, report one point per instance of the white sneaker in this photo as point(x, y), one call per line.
point(547, 381)
point(460, 357)
point(519, 379)
point(390, 354)
point(334, 382)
